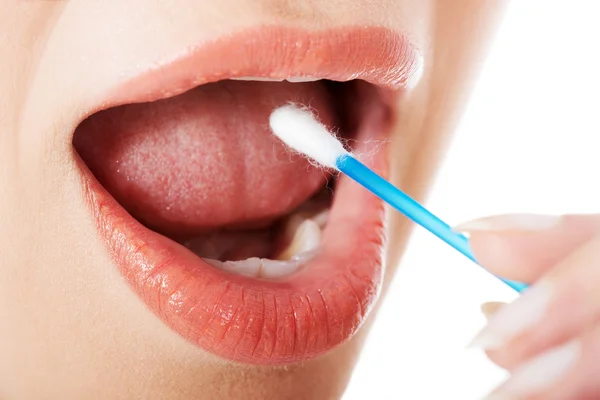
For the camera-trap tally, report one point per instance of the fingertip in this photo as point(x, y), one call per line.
point(526, 254)
point(503, 256)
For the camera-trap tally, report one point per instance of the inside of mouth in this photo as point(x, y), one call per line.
point(203, 169)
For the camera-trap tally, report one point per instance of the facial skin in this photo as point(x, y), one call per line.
point(70, 326)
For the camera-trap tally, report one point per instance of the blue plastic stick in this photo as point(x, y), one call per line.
point(409, 207)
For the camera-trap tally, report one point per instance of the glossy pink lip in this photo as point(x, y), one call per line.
point(373, 54)
point(323, 304)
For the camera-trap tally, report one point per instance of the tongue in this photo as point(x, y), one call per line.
point(204, 159)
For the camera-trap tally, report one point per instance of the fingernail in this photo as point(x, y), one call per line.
point(491, 308)
point(513, 319)
point(540, 373)
point(508, 222)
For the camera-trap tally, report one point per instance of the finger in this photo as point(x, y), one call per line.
point(488, 310)
point(561, 305)
point(523, 247)
point(569, 371)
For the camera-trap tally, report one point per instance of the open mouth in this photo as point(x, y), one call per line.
point(236, 244)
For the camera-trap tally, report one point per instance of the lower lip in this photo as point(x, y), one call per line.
point(245, 319)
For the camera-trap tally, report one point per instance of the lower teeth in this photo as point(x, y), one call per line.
point(262, 267)
point(306, 236)
point(302, 231)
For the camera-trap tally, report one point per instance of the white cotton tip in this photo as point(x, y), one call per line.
point(300, 130)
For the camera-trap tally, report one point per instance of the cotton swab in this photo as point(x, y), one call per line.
point(298, 129)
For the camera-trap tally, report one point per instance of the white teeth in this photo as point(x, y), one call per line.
point(277, 269)
point(302, 79)
point(307, 237)
point(304, 231)
point(262, 267)
point(257, 79)
point(321, 218)
point(305, 257)
point(248, 267)
point(215, 263)
point(293, 79)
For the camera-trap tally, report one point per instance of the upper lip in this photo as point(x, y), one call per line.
point(240, 318)
point(373, 54)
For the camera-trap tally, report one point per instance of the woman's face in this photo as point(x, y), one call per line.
point(172, 248)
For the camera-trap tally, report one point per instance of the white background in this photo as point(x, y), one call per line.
point(529, 142)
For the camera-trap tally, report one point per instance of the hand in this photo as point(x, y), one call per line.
point(549, 338)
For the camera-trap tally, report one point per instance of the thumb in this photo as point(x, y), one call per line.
point(523, 247)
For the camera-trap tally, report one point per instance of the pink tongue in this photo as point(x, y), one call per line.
point(203, 159)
